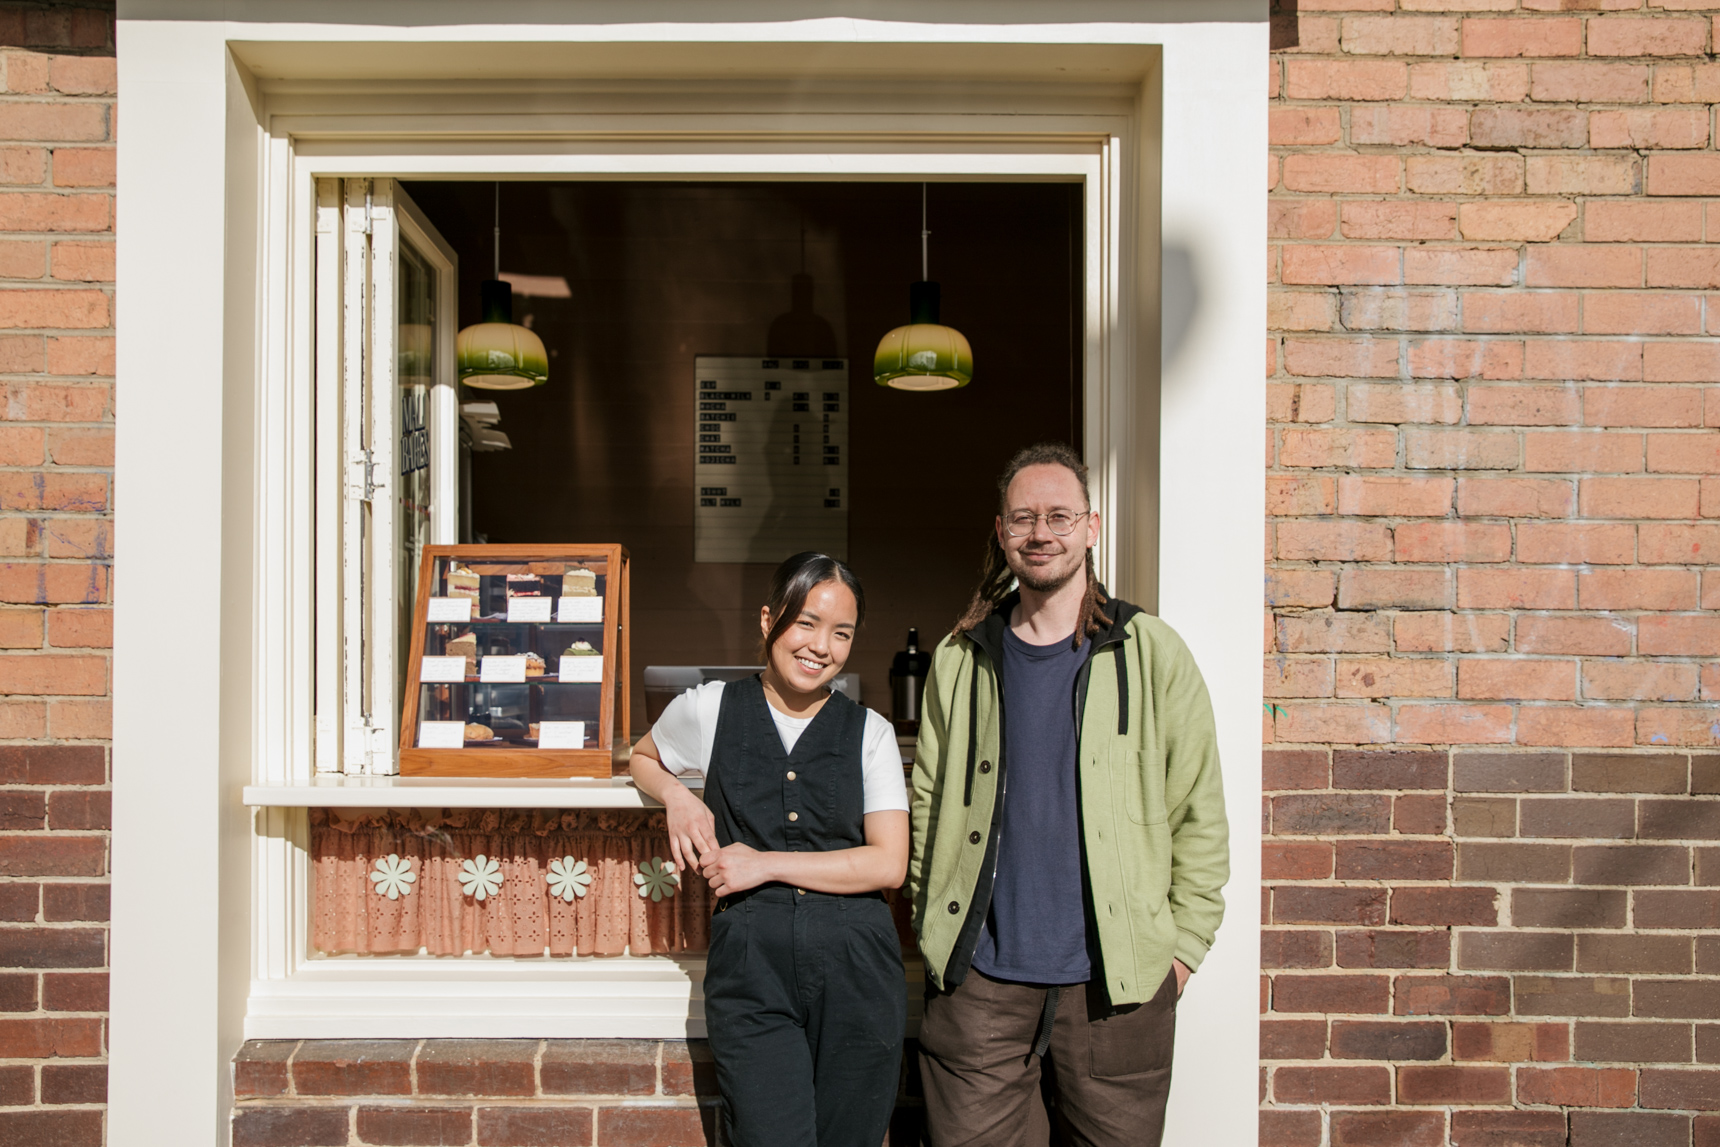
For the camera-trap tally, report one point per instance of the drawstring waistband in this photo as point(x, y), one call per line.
point(1047, 1017)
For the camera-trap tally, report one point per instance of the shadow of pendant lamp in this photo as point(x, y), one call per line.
point(497, 353)
point(925, 354)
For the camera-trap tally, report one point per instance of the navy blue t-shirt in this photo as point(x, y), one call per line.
point(1036, 931)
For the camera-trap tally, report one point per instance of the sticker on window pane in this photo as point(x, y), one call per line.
point(579, 609)
point(442, 669)
point(561, 735)
point(529, 608)
point(450, 609)
point(442, 734)
point(502, 670)
point(588, 668)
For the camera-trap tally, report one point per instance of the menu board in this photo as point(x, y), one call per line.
point(771, 462)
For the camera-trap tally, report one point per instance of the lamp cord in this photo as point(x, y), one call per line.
point(925, 264)
point(498, 234)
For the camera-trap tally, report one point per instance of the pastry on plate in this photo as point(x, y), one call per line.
point(579, 582)
point(581, 649)
point(465, 645)
point(477, 732)
point(525, 585)
point(534, 665)
point(532, 731)
point(463, 583)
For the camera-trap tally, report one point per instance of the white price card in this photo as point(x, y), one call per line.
point(442, 669)
point(529, 608)
point(583, 669)
point(502, 670)
point(579, 609)
point(442, 734)
point(561, 735)
point(450, 609)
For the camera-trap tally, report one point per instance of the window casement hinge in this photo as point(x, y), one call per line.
point(362, 479)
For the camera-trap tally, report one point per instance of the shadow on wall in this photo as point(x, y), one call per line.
point(1179, 300)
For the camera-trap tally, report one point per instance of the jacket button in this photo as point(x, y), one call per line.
point(954, 908)
point(791, 774)
point(973, 837)
point(793, 816)
point(985, 766)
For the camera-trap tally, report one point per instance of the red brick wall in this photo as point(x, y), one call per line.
point(56, 530)
point(1493, 699)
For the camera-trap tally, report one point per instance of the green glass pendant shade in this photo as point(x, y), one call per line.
point(499, 354)
point(925, 354)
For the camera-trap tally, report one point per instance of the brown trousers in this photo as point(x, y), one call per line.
point(1109, 1077)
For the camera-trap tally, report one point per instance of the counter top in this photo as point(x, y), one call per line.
point(335, 790)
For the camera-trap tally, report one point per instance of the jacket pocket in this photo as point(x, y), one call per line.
point(1138, 785)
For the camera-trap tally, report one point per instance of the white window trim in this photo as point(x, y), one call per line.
point(223, 518)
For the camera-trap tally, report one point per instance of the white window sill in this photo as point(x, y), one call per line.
point(339, 791)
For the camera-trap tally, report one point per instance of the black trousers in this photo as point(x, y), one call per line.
point(805, 1006)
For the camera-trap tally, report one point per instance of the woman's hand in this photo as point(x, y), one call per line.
point(692, 828)
point(735, 869)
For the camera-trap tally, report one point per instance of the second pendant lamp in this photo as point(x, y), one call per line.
point(497, 353)
point(925, 354)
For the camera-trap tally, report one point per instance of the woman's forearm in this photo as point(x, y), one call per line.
point(866, 868)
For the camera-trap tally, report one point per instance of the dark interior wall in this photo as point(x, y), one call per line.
point(662, 272)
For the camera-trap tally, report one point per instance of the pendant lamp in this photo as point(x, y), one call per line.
point(497, 353)
point(924, 355)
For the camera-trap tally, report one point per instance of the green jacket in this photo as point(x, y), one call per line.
point(1155, 843)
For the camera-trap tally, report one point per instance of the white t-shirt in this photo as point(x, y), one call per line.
point(686, 731)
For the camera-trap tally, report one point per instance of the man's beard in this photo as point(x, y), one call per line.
point(1044, 581)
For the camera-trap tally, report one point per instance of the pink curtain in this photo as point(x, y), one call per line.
point(522, 918)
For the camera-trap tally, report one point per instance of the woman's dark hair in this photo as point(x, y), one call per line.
point(797, 577)
point(995, 576)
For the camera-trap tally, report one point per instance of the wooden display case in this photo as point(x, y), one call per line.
point(518, 665)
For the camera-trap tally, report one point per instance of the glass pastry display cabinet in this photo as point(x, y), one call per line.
point(518, 663)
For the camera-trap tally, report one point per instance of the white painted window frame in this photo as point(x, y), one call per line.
point(219, 953)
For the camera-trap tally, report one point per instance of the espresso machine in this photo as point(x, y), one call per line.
point(908, 674)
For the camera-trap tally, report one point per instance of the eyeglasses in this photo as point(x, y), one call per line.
point(1060, 522)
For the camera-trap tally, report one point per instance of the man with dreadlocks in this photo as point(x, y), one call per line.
point(1069, 838)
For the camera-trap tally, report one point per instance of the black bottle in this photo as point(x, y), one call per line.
point(907, 683)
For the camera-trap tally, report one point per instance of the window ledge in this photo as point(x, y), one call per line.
point(339, 791)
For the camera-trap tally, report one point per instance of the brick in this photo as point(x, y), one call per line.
point(1361, 589)
point(1318, 218)
point(19, 903)
point(1577, 1086)
point(485, 1068)
point(53, 856)
point(1289, 494)
point(1631, 864)
point(52, 765)
point(84, 167)
point(1660, 36)
point(1649, 128)
point(22, 259)
point(1637, 589)
point(1588, 543)
point(1400, 403)
point(1673, 174)
point(1675, 83)
point(260, 1068)
point(1389, 769)
point(1302, 677)
point(1460, 450)
point(1464, 175)
point(1535, 222)
point(1451, 995)
point(534, 1126)
point(52, 674)
point(52, 121)
point(599, 1067)
point(1296, 311)
point(1582, 175)
point(1396, 309)
point(55, 1038)
point(88, 811)
point(1400, 35)
point(1590, 727)
point(1676, 909)
point(1401, 1128)
point(1628, 1129)
point(1508, 772)
point(263, 1126)
point(1565, 816)
point(1442, 907)
point(1419, 815)
point(1572, 996)
point(75, 991)
point(1534, 863)
point(1633, 1042)
point(1332, 633)
point(54, 307)
point(1633, 954)
point(1588, 82)
point(77, 354)
point(1453, 1084)
point(85, 628)
point(1446, 632)
point(1296, 860)
point(1628, 772)
point(1292, 1039)
point(1393, 860)
point(1386, 1039)
point(1303, 126)
point(1396, 219)
point(1312, 589)
point(83, 262)
point(1334, 541)
point(74, 1083)
point(1520, 127)
point(1678, 725)
point(1516, 589)
point(414, 1126)
point(1484, 816)
point(1452, 542)
point(1679, 636)
point(1368, 496)
point(1327, 1084)
point(1638, 497)
point(1339, 357)
point(1516, 679)
point(1691, 545)
point(1630, 313)
point(1584, 265)
point(1454, 724)
point(1653, 681)
point(1683, 361)
point(1333, 172)
point(656, 1126)
point(1290, 1128)
point(1515, 951)
point(23, 165)
point(1609, 221)
point(1568, 908)
point(1320, 264)
point(1345, 79)
point(1468, 80)
point(1316, 905)
point(1697, 453)
point(1295, 948)
point(1659, 406)
point(1295, 769)
point(1518, 37)
point(1393, 948)
point(355, 1067)
point(1672, 1087)
point(1514, 498)
point(1460, 266)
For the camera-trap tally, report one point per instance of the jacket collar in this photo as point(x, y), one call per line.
point(988, 634)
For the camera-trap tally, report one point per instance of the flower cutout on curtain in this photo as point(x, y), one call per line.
point(480, 877)
point(656, 878)
point(393, 877)
point(568, 878)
